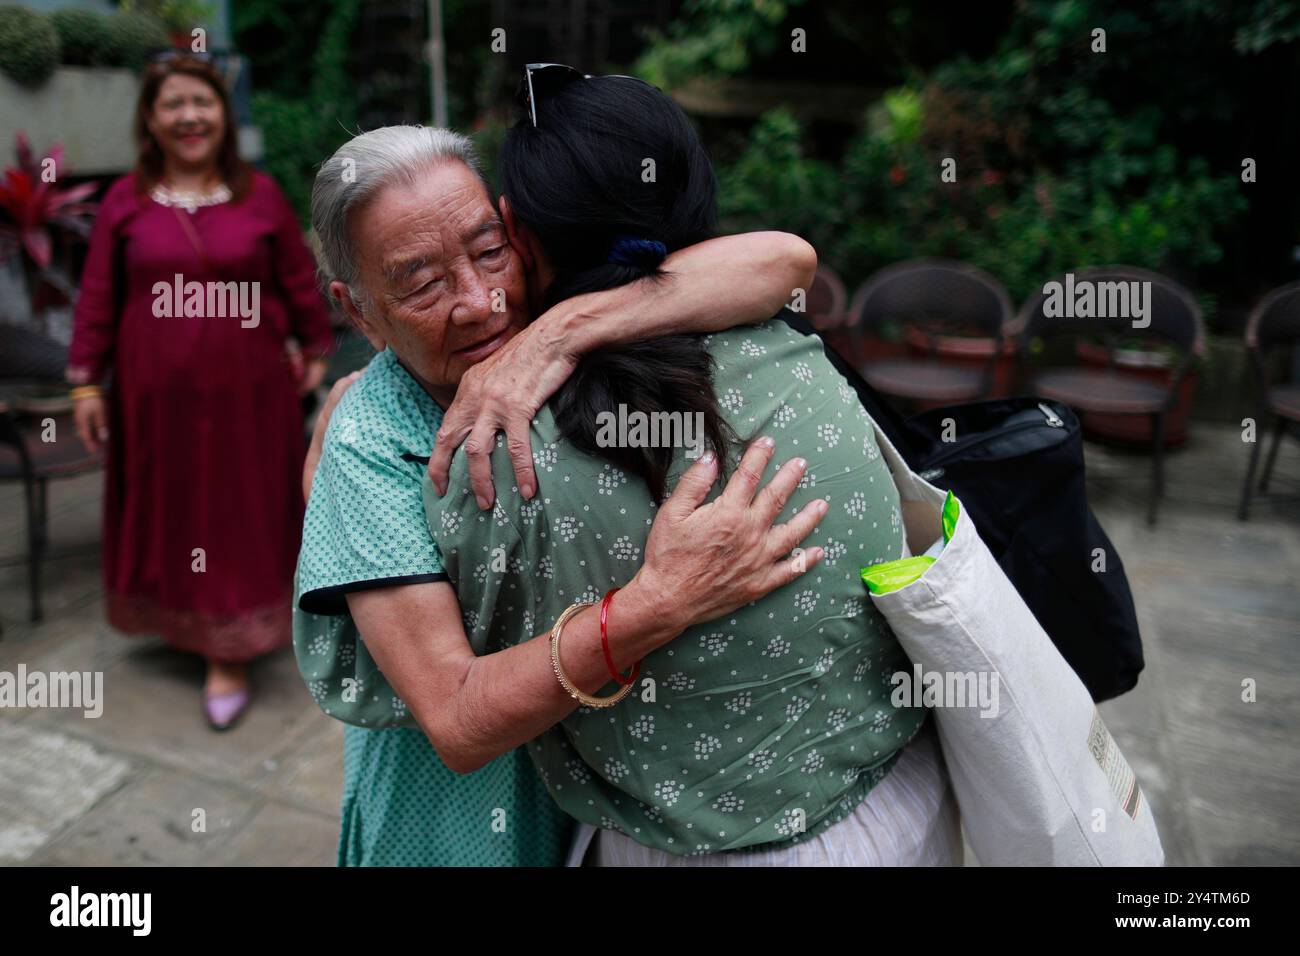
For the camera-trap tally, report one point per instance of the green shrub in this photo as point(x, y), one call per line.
point(488, 136)
point(300, 130)
point(131, 37)
point(83, 36)
point(29, 45)
point(885, 201)
point(178, 15)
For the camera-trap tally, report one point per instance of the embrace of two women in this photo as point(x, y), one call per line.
point(567, 650)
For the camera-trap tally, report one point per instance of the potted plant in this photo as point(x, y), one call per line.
point(33, 209)
point(178, 17)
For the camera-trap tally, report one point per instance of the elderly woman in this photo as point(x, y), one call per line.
point(418, 258)
point(767, 730)
point(198, 406)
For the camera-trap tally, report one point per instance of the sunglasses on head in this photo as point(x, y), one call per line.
point(166, 56)
point(546, 79)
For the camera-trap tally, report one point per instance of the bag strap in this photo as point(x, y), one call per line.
point(192, 235)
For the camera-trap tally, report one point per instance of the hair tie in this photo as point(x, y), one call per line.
point(630, 251)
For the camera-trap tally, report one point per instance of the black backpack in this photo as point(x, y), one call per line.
point(1017, 466)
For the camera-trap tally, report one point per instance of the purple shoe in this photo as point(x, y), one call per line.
point(223, 710)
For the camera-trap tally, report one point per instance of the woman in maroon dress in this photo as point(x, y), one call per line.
point(197, 282)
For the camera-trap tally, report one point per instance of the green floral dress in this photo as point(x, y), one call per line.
point(756, 729)
point(365, 528)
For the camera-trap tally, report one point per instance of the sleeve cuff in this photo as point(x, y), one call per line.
point(79, 375)
point(333, 599)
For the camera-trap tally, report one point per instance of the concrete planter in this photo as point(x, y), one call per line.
point(87, 109)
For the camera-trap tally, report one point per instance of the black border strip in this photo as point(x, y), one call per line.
point(333, 600)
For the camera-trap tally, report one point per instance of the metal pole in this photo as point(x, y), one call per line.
point(437, 65)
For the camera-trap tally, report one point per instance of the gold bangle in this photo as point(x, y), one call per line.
point(563, 678)
point(85, 391)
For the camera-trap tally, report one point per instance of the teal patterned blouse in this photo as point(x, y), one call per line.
point(365, 528)
point(758, 728)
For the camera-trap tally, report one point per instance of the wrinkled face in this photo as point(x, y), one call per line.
point(187, 121)
point(446, 288)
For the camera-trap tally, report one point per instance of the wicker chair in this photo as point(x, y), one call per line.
point(1274, 323)
point(931, 296)
point(827, 300)
point(1175, 319)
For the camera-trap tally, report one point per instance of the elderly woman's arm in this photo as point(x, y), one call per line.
point(753, 275)
point(702, 561)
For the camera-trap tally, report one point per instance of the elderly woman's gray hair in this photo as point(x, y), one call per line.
point(358, 170)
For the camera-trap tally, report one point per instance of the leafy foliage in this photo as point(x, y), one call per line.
point(131, 37)
point(81, 36)
point(31, 207)
point(300, 128)
point(713, 37)
point(1058, 166)
point(29, 45)
point(173, 14)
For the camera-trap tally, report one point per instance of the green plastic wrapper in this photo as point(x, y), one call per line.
point(892, 575)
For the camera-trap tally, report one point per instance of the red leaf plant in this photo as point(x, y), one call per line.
point(33, 207)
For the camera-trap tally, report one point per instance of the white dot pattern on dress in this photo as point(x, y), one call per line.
point(782, 706)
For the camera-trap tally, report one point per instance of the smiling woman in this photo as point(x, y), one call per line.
point(196, 280)
point(181, 129)
point(453, 292)
point(450, 289)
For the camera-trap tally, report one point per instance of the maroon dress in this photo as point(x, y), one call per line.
point(203, 493)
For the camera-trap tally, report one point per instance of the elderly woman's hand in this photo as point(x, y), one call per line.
point(753, 274)
point(501, 393)
point(703, 561)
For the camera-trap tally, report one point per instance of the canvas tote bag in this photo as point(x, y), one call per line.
point(1039, 779)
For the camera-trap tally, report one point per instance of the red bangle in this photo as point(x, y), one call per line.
point(604, 644)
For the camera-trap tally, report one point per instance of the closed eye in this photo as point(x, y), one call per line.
point(423, 288)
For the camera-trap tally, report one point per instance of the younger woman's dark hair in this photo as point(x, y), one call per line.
point(612, 158)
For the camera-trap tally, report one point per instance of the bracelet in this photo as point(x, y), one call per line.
point(563, 678)
point(604, 644)
point(85, 391)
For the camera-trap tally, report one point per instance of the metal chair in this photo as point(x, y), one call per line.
point(932, 297)
point(30, 363)
point(827, 300)
point(25, 457)
point(1174, 318)
point(1274, 323)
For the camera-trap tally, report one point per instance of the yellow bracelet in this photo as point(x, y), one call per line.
point(563, 678)
point(85, 391)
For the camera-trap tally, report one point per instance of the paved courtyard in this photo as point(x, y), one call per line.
point(1219, 602)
